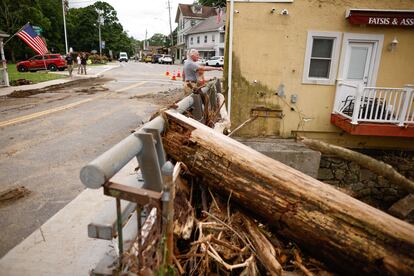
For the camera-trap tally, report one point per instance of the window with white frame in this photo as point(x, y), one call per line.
point(198, 40)
point(191, 40)
point(321, 58)
point(205, 39)
point(213, 37)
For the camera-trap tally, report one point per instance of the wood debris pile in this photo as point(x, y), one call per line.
point(212, 237)
point(226, 241)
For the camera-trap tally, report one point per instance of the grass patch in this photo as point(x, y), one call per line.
point(35, 77)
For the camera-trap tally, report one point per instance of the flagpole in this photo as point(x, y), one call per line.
point(44, 62)
point(15, 33)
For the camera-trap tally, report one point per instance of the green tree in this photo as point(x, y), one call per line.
point(82, 24)
point(15, 14)
point(168, 38)
point(82, 27)
point(158, 40)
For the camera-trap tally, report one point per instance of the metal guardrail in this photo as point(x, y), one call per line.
point(99, 171)
point(146, 146)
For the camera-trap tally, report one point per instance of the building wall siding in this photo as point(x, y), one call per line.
point(269, 50)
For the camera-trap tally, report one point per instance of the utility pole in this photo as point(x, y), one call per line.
point(171, 35)
point(99, 27)
point(65, 5)
point(145, 41)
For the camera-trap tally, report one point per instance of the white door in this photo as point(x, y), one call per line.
point(358, 63)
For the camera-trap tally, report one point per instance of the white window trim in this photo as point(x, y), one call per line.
point(334, 61)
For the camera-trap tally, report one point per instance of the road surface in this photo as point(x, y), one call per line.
point(46, 138)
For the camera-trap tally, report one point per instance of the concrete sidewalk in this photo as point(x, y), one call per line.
point(61, 246)
point(93, 72)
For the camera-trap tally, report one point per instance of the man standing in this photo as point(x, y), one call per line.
point(78, 59)
point(69, 62)
point(193, 73)
point(84, 59)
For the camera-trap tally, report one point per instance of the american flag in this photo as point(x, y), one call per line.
point(33, 39)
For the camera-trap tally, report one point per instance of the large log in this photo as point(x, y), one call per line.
point(348, 234)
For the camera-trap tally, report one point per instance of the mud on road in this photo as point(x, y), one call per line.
point(45, 155)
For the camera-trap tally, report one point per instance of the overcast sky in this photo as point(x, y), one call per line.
point(138, 15)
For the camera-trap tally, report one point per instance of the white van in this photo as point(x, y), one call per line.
point(123, 57)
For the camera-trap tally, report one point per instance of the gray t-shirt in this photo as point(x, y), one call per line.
point(190, 70)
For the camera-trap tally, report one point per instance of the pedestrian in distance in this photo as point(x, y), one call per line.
point(193, 73)
point(69, 62)
point(78, 60)
point(84, 59)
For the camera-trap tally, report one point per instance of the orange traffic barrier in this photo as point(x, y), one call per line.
point(178, 73)
point(168, 72)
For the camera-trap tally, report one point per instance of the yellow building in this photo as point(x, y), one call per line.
point(338, 71)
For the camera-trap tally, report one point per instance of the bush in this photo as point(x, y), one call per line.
point(97, 59)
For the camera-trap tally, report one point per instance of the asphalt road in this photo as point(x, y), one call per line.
point(46, 138)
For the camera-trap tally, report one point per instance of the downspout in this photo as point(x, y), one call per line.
point(229, 78)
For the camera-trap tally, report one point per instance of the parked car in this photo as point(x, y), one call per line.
point(148, 59)
point(52, 62)
point(123, 57)
point(201, 61)
point(165, 59)
point(215, 61)
point(155, 58)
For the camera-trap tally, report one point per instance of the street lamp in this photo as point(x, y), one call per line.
point(65, 7)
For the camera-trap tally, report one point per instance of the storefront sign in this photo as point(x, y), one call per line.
point(381, 18)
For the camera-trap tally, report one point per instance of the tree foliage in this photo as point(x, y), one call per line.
point(157, 40)
point(82, 27)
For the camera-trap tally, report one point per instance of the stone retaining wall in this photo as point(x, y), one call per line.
point(362, 183)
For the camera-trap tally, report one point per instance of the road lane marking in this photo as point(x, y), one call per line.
point(131, 86)
point(60, 108)
point(43, 113)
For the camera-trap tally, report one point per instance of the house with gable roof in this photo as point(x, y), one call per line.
point(188, 16)
point(208, 37)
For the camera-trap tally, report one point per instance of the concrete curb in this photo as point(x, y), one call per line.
point(53, 84)
point(48, 87)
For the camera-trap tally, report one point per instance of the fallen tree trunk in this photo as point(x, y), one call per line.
point(363, 160)
point(348, 234)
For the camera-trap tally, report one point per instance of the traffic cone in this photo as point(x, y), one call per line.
point(178, 73)
point(173, 76)
point(168, 72)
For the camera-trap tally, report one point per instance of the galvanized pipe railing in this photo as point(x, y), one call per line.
point(100, 170)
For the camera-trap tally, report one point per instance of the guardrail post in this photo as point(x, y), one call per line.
point(139, 237)
point(119, 224)
point(158, 144)
point(408, 91)
point(168, 214)
point(149, 163)
point(357, 106)
point(197, 111)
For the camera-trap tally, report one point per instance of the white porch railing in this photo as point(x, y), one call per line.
point(375, 104)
